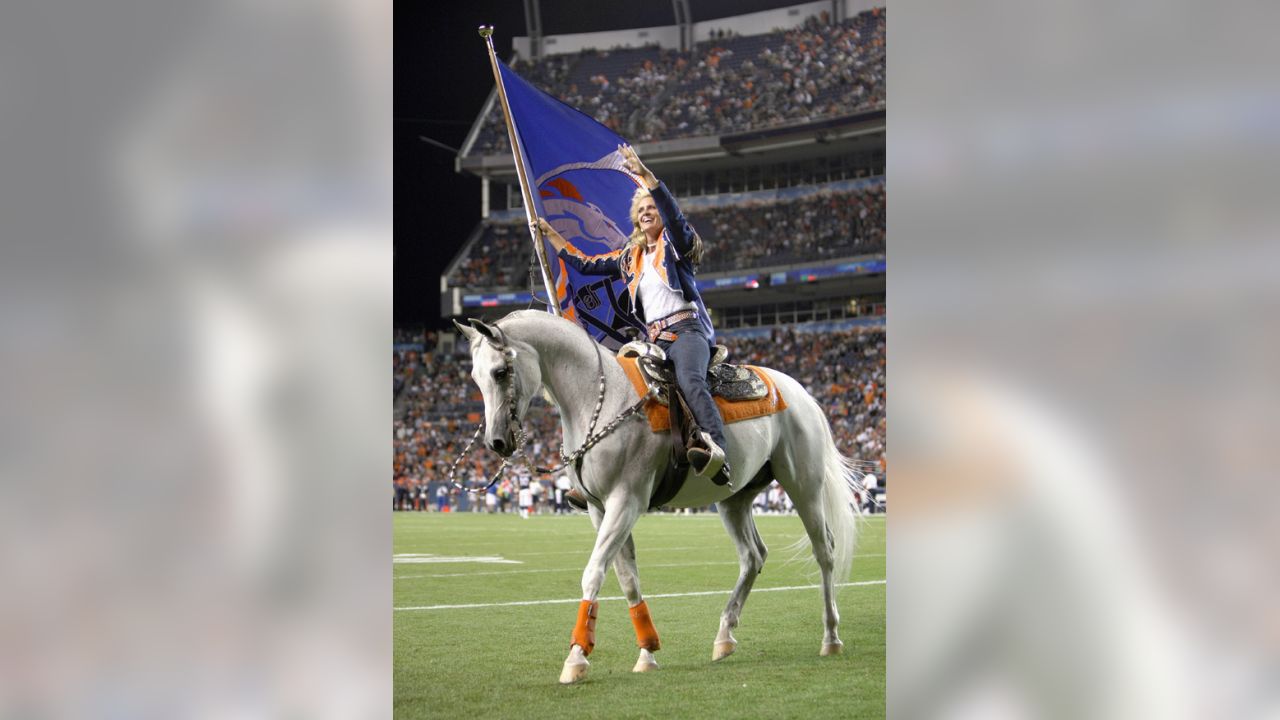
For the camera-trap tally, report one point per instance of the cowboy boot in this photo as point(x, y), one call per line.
point(708, 459)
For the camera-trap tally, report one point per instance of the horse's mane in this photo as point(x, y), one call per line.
point(540, 317)
point(530, 314)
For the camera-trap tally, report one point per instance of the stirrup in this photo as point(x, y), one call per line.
point(706, 461)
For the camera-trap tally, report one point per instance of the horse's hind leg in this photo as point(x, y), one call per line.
point(735, 512)
point(808, 502)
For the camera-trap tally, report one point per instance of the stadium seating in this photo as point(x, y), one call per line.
point(499, 258)
point(815, 71)
point(820, 226)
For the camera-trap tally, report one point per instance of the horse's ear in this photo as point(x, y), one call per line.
point(466, 331)
point(484, 329)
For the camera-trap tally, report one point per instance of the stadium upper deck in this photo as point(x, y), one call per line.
point(812, 72)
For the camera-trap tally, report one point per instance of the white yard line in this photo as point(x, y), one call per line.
point(585, 550)
point(577, 569)
point(437, 559)
point(551, 570)
point(619, 597)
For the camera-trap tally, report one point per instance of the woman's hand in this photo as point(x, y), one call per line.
point(545, 230)
point(636, 167)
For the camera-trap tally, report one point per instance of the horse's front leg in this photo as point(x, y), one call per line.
point(624, 566)
point(613, 530)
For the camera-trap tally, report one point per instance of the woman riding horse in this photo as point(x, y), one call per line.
point(658, 268)
point(531, 351)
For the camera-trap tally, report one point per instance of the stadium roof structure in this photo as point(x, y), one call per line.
point(577, 16)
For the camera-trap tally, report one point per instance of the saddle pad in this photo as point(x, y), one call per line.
point(731, 411)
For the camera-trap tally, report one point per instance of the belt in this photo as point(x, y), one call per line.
point(657, 327)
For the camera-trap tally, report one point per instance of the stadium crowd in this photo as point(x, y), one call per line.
point(818, 71)
point(820, 226)
point(727, 84)
point(499, 258)
point(844, 370)
point(407, 359)
point(816, 227)
point(613, 103)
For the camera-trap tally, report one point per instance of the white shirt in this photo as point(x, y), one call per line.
point(658, 298)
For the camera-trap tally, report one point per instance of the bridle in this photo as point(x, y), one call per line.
point(509, 380)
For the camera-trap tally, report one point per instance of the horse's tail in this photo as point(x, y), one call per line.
point(841, 479)
point(840, 513)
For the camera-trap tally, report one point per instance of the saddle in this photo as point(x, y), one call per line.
point(733, 383)
point(740, 392)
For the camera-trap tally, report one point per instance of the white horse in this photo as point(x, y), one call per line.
point(530, 349)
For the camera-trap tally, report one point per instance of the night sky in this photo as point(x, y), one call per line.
point(442, 78)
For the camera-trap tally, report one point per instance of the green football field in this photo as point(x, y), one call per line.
point(484, 605)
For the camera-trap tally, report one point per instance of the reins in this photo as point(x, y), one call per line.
point(509, 382)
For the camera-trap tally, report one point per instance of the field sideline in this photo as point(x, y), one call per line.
point(496, 650)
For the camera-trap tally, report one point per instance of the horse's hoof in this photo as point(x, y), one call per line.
point(834, 648)
point(573, 672)
point(723, 650)
point(646, 662)
point(575, 666)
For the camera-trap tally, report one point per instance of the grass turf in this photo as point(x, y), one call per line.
point(496, 662)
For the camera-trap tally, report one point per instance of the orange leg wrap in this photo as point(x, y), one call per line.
point(646, 633)
point(584, 632)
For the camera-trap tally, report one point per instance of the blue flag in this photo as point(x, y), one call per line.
point(581, 186)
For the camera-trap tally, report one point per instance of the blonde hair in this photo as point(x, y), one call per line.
point(638, 237)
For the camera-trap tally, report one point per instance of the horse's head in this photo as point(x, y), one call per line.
point(508, 375)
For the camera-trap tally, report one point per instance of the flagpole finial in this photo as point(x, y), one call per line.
point(486, 30)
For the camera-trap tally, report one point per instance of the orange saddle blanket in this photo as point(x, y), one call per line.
point(732, 411)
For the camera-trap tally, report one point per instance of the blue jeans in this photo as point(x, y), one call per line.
point(690, 353)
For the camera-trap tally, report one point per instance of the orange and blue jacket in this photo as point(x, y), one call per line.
point(672, 262)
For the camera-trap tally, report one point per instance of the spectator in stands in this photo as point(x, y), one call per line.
point(658, 266)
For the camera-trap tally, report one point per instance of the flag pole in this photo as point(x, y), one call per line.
point(486, 32)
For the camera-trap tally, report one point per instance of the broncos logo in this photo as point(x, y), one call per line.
point(595, 303)
point(582, 223)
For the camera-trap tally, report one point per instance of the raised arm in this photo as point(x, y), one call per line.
point(682, 235)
